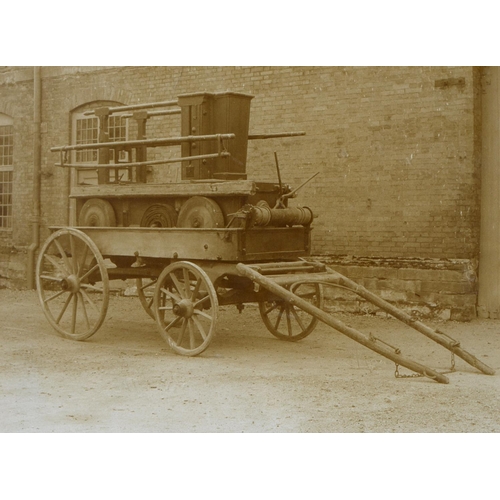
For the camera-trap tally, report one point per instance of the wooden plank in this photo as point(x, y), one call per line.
point(273, 243)
point(167, 243)
point(230, 245)
point(177, 189)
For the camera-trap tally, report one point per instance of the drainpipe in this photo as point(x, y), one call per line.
point(37, 167)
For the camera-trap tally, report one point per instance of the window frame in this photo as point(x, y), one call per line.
point(87, 176)
point(6, 172)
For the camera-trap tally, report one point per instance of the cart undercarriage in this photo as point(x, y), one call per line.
point(73, 284)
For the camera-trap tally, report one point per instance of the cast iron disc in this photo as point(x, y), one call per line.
point(97, 213)
point(200, 212)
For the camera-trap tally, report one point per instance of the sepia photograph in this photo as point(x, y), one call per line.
point(302, 250)
point(317, 232)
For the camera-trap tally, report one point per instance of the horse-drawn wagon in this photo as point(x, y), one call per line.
point(205, 237)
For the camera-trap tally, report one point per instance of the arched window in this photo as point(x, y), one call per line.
point(85, 130)
point(6, 170)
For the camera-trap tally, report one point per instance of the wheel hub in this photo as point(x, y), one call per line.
point(183, 308)
point(70, 284)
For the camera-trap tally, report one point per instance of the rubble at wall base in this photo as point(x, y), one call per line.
point(13, 268)
point(440, 289)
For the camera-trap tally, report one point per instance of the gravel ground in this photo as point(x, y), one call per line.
point(126, 379)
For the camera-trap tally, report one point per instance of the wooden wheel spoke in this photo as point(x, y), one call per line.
point(190, 293)
point(282, 310)
point(87, 286)
point(49, 278)
point(84, 309)
point(89, 300)
point(70, 270)
point(173, 296)
point(187, 282)
point(52, 297)
point(89, 272)
point(297, 318)
point(63, 310)
point(199, 302)
point(165, 308)
point(299, 324)
point(204, 314)
point(272, 308)
point(147, 301)
point(74, 313)
point(74, 262)
point(147, 285)
point(289, 320)
point(81, 266)
point(63, 255)
point(181, 333)
point(198, 324)
point(56, 264)
point(191, 333)
point(172, 323)
point(196, 289)
point(178, 286)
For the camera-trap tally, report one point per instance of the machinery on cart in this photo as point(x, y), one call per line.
point(193, 238)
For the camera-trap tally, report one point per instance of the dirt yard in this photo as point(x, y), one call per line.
point(126, 379)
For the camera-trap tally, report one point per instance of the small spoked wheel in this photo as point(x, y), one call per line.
point(286, 321)
point(186, 305)
point(145, 288)
point(72, 284)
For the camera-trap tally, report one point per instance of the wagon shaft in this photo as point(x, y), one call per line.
point(276, 284)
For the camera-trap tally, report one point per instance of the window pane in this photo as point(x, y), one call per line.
point(6, 145)
point(87, 132)
point(6, 200)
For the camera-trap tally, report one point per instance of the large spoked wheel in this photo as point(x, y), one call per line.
point(286, 321)
point(145, 288)
point(186, 305)
point(72, 283)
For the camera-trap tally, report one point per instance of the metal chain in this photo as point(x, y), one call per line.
point(397, 351)
point(399, 375)
point(455, 343)
point(416, 375)
point(452, 367)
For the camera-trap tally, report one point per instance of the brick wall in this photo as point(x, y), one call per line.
point(16, 100)
point(396, 148)
point(395, 155)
